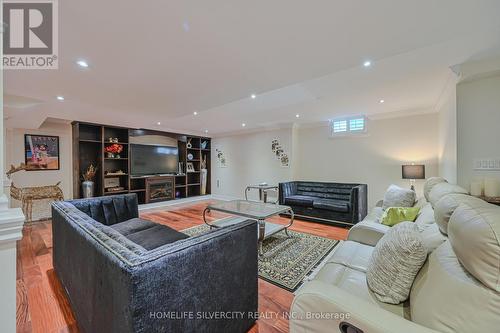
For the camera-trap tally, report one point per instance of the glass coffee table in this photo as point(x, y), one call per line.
point(243, 210)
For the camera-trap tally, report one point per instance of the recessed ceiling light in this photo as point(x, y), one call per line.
point(186, 26)
point(158, 123)
point(297, 115)
point(253, 96)
point(243, 125)
point(82, 63)
point(195, 113)
point(381, 101)
point(367, 63)
point(60, 98)
point(206, 131)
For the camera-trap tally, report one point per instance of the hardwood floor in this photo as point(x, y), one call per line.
point(42, 305)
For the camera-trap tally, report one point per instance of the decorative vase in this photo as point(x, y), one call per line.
point(203, 178)
point(88, 189)
point(110, 155)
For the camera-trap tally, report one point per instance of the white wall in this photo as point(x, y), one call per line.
point(447, 131)
point(250, 160)
point(14, 140)
point(374, 158)
point(478, 126)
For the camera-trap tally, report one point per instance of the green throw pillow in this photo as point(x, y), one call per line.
point(395, 215)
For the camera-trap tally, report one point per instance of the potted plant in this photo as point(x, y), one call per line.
point(88, 181)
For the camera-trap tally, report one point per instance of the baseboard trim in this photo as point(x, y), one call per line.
point(163, 204)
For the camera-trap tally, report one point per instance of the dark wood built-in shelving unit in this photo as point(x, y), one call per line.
point(90, 140)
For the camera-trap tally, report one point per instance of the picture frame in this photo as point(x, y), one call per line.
point(190, 167)
point(41, 152)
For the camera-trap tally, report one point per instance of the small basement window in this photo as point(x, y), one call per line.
point(346, 126)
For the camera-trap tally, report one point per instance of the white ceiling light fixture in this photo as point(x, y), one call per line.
point(297, 115)
point(206, 131)
point(82, 63)
point(253, 96)
point(243, 125)
point(381, 101)
point(367, 63)
point(195, 113)
point(158, 123)
point(60, 98)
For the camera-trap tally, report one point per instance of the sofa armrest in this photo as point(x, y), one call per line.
point(321, 307)
point(358, 200)
point(285, 190)
point(209, 274)
point(367, 232)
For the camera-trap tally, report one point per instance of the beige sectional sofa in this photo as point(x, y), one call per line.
point(457, 289)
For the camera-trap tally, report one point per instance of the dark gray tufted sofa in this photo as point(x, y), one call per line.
point(332, 203)
point(117, 285)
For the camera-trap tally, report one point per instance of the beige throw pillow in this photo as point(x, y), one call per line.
point(398, 197)
point(395, 261)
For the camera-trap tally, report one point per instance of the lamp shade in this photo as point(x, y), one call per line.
point(413, 171)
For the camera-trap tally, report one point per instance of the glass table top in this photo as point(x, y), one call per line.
point(251, 209)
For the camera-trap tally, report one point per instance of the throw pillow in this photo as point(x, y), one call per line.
point(398, 197)
point(395, 215)
point(395, 261)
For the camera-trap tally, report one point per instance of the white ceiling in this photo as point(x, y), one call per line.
point(159, 61)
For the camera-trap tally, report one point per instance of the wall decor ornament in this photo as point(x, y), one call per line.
point(280, 153)
point(190, 167)
point(190, 156)
point(189, 145)
point(41, 152)
point(221, 158)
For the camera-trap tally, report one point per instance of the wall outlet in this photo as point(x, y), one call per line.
point(491, 164)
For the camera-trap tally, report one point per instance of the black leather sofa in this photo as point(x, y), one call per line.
point(123, 274)
point(332, 203)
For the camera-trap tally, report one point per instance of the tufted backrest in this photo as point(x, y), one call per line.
point(442, 189)
point(110, 209)
point(445, 207)
point(458, 289)
point(474, 234)
point(336, 191)
point(430, 183)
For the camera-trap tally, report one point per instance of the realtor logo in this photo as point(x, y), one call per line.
point(30, 34)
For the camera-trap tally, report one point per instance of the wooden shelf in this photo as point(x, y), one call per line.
point(118, 143)
point(115, 192)
point(90, 141)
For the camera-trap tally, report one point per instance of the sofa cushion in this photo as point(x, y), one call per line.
point(442, 189)
point(132, 226)
point(426, 215)
point(395, 262)
point(474, 234)
point(354, 282)
point(299, 200)
point(431, 236)
point(446, 298)
point(445, 207)
point(395, 215)
point(333, 205)
point(147, 234)
point(430, 183)
point(353, 255)
point(396, 196)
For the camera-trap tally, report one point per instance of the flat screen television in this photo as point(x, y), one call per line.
point(153, 160)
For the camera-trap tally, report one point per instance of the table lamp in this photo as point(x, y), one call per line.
point(413, 172)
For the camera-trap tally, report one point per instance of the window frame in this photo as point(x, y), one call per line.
point(349, 131)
